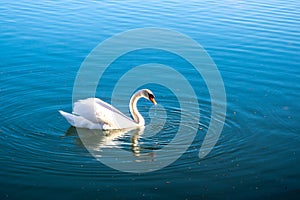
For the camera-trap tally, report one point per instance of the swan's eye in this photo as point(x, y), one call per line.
point(151, 98)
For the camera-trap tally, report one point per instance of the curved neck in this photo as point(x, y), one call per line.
point(138, 118)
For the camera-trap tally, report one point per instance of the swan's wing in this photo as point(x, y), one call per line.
point(110, 107)
point(98, 111)
point(87, 109)
point(113, 117)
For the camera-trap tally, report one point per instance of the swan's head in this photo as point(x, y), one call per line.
point(148, 94)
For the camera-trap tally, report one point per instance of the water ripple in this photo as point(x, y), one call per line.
point(255, 45)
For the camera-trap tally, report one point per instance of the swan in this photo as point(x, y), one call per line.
point(93, 113)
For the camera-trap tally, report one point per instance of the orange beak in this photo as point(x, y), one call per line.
point(152, 100)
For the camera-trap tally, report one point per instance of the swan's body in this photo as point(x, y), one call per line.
point(93, 113)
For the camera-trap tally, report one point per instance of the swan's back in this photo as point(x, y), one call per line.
point(97, 111)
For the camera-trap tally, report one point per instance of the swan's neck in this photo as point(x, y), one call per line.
point(138, 118)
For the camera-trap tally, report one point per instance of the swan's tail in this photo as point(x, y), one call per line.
point(79, 121)
point(69, 117)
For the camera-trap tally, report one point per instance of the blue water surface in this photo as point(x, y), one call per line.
point(255, 45)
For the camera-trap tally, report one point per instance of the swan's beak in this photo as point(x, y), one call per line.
point(152, 100)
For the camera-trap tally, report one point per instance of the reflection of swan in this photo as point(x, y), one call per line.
point(93, 113)
point(98, 140)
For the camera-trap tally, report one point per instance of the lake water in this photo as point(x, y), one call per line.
point(255, 46)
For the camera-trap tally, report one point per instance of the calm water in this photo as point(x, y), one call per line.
point(256, 47)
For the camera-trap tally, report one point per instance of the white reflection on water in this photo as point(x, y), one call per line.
point(97, 140)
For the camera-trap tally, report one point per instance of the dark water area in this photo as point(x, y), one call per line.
point(255, 46)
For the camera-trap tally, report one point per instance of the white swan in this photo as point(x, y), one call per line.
point(93, 113)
